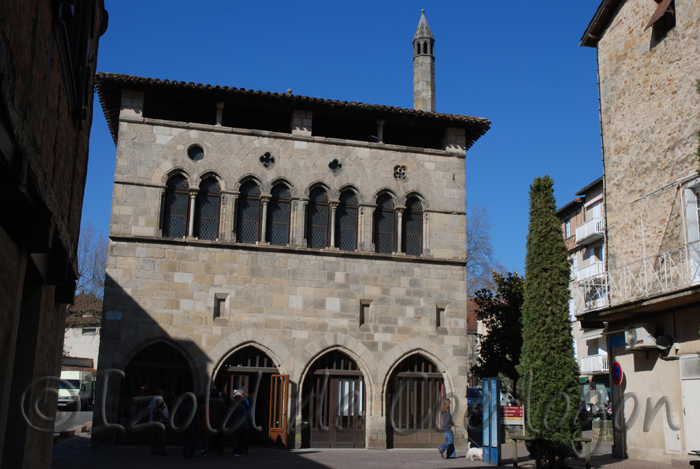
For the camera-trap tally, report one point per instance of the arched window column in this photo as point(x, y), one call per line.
point(399, 227)
point(265, 199)
point(193, 202)
point(334, 208)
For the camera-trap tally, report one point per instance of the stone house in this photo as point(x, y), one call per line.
point(309, 251)
point(648, 68)
point(48, 52)
point(583, 228)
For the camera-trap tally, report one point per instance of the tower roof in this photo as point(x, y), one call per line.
point(423, 29)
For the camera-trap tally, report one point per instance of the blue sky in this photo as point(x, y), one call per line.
point(516, 63)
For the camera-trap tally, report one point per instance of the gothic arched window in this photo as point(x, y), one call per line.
point(249, 214)
point(412, 228)
point(384, 241)
point(346, 222)
point(176, 207)
point(208, 208)
point(278, 214)
point(318, 219)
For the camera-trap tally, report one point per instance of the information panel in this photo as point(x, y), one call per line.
point(491, 430)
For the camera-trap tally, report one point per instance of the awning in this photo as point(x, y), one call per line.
point(592, 334)
point(660, 11)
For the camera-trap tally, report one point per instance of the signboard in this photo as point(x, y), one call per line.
point(616, 374)
point(491, 403)
point(616, 341)
point(512, 415)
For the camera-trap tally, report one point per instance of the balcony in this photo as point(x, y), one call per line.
point(591, 270)
point(594, 364)
point(590, 232)
point(659, 274)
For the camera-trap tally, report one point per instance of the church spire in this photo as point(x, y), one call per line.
point(423, 67)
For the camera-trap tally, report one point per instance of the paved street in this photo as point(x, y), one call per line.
point(68, 420)
point(76, 452)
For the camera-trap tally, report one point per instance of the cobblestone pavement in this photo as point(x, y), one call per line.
point(76, 452)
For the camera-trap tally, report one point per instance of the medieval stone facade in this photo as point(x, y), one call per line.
point(337, 235)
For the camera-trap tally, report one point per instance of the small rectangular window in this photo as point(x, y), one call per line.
point(664, 19)
point(364, 312)
point(219, 310)
point(440, 316)
point(568, 228)
point(89, 331)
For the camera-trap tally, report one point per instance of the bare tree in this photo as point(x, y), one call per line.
point(481, 258)
point(92, 262)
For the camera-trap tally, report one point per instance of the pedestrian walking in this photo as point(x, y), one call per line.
point(447, 450)
point(159, 413)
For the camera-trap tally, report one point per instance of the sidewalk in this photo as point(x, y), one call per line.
point(76, 452)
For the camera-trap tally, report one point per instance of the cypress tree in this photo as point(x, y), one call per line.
point(547, 364)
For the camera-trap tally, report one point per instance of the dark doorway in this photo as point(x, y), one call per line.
point(414, 396)
point(251, 370)
point(334, 403)
point(157, 366)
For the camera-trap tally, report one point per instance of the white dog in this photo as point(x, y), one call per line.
point(474, 453)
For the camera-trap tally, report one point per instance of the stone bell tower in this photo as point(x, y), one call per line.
point(423, 67)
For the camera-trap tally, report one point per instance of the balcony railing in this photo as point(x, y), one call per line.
point(595, 363)
point(590, 231)
point(661, 273)
point(591, 270)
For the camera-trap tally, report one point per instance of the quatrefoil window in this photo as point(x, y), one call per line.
point(267, 160)
point(400, 172)
point(335, 166)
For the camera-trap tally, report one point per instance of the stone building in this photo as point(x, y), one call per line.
point(648, 66)
point(48, 52)
point(583, 228)
point(307, 250)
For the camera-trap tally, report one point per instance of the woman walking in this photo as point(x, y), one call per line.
point(448, 449)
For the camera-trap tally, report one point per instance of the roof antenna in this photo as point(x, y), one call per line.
point(289, 91)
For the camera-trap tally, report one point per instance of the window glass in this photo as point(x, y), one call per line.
point(413, 227)
point(384, 225)
point(346, 220)
point(208, 207)
point(176, 207)
point(318, 215)
point(278, 214)
point(249, 213)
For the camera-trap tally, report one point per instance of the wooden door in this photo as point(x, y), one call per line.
point(279, 394)
point(337, 412)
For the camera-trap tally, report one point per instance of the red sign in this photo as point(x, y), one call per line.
point(512, 411)
point(512, 415)
point(616, 372)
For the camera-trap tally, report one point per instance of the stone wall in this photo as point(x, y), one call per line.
point(650, 113)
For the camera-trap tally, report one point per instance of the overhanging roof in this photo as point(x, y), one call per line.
point(110, 86)
point(601, 19)
point(591, 185)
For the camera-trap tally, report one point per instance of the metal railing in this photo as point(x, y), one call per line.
point(661, 273)
point(595, 268)
point(594, 363)
point(594, 226)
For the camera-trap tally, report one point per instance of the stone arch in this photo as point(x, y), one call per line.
point(210, 173)
point(280, 180)
point(318, 183)
point(247, 178)
point(352, 187)
point(353, 348)
point(131, 346)
point(275, 349)
point(437, 354)
point(174, 171)
point(417, 194)
point(385, 190)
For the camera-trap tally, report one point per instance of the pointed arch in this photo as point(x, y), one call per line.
point(247, 178)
